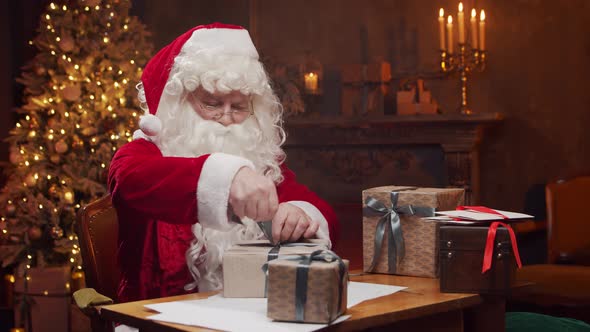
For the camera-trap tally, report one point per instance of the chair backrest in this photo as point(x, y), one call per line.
point(568, 218)
point(98, 229)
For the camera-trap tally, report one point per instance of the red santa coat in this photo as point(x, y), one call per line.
point(158, 198)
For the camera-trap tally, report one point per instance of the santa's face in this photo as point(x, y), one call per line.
point(224, 108)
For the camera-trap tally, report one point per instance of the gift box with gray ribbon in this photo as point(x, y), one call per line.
point(396, 238)
point(242, 264)
point(307, 288)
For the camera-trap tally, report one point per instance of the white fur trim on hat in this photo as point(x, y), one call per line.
point(213, 188)
point(150, 124)
point(228, 41)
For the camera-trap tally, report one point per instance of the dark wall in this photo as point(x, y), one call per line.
point(538, 64)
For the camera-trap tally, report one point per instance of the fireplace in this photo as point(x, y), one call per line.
point(339, 157)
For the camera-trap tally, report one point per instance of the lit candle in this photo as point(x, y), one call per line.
point(450, 33)
point(461, 23)
point(441, 28)
point(482, 29)
point(473, 21)
point(311, 82)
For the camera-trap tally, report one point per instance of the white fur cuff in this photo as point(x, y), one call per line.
point(213, 189)
point(315, 214)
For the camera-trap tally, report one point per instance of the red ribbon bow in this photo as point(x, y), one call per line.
point(487, 257)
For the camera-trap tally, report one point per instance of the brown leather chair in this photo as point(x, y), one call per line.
point(568, 221)
point(562, 286)
point(97, 229)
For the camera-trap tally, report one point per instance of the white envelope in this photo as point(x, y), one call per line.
point(482, 216)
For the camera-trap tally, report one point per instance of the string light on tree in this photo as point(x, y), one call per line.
point(57, 157)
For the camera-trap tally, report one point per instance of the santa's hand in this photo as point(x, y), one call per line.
point(253, 195)
point(291, 223)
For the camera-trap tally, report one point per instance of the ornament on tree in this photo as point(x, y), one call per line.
point(40, 70)
point(15, 157)
point(54, 158)
point(30, 180)
point(61, 146)
point(77, 143)
point(88, 131)
point(109, 124)
point(34, 233)
point(53, 191)
point(33, 123)
point(56, 232)
point(66, 43)
point(69, 197)
point(71, 93)
point(91, 3)
point(12, 221)
point(10, 210)
point(3, 225)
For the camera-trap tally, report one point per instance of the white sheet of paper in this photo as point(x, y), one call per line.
point(249, 314)
point(475, 215)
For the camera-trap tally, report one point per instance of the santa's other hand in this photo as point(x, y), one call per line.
point(253, 195)
point(291, 223)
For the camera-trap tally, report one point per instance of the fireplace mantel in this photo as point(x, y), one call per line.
point(339, 157)
point(458, 135)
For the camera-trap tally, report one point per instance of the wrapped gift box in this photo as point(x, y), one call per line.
point(461, 256)
point(312, 291)
point(356, 77)
point(412, 248)
point(416, 100)
point(242, 264)
point(48, 291)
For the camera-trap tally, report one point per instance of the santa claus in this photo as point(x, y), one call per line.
point(205, 165)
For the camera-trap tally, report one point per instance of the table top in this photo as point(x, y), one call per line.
point(421, 298)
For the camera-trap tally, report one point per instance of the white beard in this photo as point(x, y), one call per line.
point(188, 135)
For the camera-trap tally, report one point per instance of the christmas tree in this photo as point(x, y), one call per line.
point(79, 106)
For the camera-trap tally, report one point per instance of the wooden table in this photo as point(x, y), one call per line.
point(419, 308)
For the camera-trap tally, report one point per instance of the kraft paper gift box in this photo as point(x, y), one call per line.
point(47, 294)
point(416, 100)
point(410, 247)
point(310, 289)
point(242, 264)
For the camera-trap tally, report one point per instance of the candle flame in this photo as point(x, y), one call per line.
point(450, 19)
point(441, 13)
point(473, 13)
point(482, 16)
point(460, 7)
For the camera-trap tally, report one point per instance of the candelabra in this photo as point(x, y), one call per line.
point(467, 60)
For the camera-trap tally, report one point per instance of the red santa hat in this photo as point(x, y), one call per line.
point(222, 38)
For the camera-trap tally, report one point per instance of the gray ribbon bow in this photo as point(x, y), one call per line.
point(395, 239)
point(273, 254)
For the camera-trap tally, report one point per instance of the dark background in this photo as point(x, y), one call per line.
point(538, 65)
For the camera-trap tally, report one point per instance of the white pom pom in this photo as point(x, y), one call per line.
point(150, 124)
point(138, 134)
